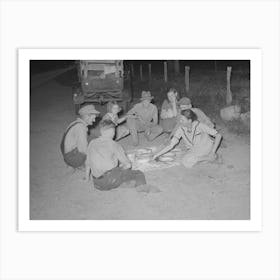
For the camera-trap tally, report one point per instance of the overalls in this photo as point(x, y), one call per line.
point(73, 158)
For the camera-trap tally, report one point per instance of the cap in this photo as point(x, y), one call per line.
point(184, 101)
point(87, 110)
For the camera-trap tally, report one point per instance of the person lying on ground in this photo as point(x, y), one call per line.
point(108, 165)
point(113, 110)
point(170, 111)
point(196, 136)
point(143, 117)
point(74, 141)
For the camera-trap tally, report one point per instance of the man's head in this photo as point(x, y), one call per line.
point(146, 98)
point(113, 107)
point(188, 116)
point(172, 95)
point(107, 128)
point(88, 113)
point(185, 103)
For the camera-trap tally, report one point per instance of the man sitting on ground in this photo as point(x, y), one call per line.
point(108, 164)
point(74, 141)
point(143, 117)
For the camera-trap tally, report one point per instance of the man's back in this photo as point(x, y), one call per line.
point(104, 154)
point(76, 137)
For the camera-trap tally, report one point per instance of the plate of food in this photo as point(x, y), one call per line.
point(143, 151)
point(166, 159)
point(169, 154)
point(176, 150)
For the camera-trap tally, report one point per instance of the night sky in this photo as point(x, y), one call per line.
point(38, 66)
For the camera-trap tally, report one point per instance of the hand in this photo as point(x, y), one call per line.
point(212, 156)
point(132, 116)
point(155, 157)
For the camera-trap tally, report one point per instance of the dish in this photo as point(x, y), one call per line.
point(166, 159)
point(170, 154)
point(143, 160)
point(143, 151)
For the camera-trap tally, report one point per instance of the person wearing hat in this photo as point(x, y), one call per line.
point(74, 141)
point(113, 109)
point(143, 117)
point(170, 111)
point(185, 104)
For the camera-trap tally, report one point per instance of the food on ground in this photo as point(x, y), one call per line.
point(166, 159)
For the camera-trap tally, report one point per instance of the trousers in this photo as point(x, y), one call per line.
point(115, 177)
point(136, 126)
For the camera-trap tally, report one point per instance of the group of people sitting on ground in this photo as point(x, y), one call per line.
point(104, 158)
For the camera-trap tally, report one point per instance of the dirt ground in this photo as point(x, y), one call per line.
point(208, 191)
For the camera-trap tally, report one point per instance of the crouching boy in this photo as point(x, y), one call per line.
point(108, 164)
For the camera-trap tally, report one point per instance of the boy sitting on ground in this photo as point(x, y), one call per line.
point(108, 164)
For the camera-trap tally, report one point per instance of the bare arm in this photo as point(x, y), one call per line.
point(122, 119)
point(155, 117)
point(174, 109)
point(87, 173)
point(173, 143)
point(82, 142)
point(218, 138)
point(123, 159)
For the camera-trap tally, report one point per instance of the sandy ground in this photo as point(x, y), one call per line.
point(207, 191)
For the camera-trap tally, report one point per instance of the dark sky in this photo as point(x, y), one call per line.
point(38, 66)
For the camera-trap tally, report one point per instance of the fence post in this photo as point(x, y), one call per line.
point(150, 72)
point(187, 78)
point(229, 95)
point(165, 71)
point(141, 73)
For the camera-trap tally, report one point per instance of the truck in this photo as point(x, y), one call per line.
point(101, 81)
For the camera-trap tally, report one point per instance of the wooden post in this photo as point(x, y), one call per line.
point(150, 72)
point(229, 95)
point(187, 78)
point(177, 67)
point(141, 72)
point(165, 71)
point(132, 70)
